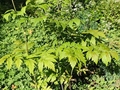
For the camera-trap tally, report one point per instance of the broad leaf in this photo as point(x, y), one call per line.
point(95, 56)
point(71, 24)
point(50, 65)
point(93, 41)
point(89, 55)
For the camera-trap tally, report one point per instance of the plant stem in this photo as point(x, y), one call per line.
point(13, 5)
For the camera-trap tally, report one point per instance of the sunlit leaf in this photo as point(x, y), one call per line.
point(18, 62)
point(95, 56)
point(114, 55)
point(83, 43)
point(106, 58)
point(9, 63)
point(89, 55)
point(30, 64)
point(50, 65)
point(73, 61)
point(48, 60)
point(40, 65)
point(93, 41)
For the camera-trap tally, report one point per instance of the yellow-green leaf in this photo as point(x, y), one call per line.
point(18, 62)
point(50, 65)
point(106, 58)
point(95, 56)
point(30, 64)
point(40, 65)
point(89, 55)
point(9, 63)
point(72, 61)
point(114, 55)
point(93, 41)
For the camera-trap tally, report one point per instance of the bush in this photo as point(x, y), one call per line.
point(47, 44)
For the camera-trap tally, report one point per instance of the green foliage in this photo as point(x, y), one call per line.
point(51, 42)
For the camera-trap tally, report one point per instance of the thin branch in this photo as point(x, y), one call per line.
point(13, 5)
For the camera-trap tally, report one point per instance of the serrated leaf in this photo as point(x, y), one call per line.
point(40, 65)
point(95, 56)
point(114, 55)
point(80, 56)
point(89, 55)
point(83, 43)
point(18, 62)
point(9, 63)
point(3, 59)
point(106, 58)
point(62, 55)
point(73, 61)
point(93, 41)
point(50, 65)
point(30, 64)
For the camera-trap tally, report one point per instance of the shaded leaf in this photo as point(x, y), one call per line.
point(95, 56)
